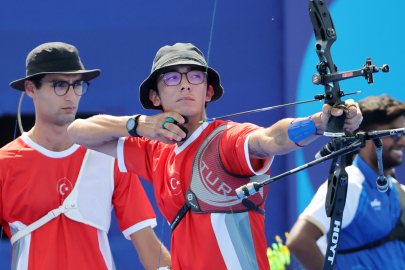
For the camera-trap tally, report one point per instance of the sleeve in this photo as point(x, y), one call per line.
point(5, 158)
point(132, 207)
point(315, 211)
point(135, 155)
point(234, 151)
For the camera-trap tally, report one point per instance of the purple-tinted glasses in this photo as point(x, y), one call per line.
point(174, 78)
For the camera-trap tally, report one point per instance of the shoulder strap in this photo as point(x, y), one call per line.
point(398, 233)
point(42, 221)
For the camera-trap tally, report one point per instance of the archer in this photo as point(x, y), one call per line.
point(195, 166)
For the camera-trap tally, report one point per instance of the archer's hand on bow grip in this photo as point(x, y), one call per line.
point(352, 119)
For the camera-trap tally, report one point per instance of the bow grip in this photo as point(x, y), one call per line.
point(334, 128)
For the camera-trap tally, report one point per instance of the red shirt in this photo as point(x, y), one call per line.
point(33, 181)
point(200, 241)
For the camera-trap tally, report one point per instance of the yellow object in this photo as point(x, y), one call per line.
point(279, 256)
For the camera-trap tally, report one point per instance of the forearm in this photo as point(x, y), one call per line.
point(151, 252)
point(98, 130)
point(308, 255)
point(275, 141)
point(151, 260)
point(302, 244)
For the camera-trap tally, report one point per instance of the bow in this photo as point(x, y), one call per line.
point(328, 76)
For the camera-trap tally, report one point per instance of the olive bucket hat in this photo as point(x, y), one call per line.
point(51, 58)
point(178, 54)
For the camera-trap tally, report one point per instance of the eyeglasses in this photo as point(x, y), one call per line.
point(193, 77)
point(397, 136)
point(61, 88)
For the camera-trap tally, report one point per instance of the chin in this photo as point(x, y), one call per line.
point(68, 119)
point(391, 163)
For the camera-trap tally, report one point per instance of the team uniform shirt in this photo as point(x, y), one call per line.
point(200, 241)
point(34, 181)
point(369, 215)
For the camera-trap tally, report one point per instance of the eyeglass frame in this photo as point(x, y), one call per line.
point(67, 90)
point(182, 73)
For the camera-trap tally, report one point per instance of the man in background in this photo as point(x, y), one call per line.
point(56, 197)
point(369, 215)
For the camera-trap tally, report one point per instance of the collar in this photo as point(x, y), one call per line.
point(190, 139)
point(47, 152)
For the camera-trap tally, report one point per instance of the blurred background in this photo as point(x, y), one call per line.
point(263, 51)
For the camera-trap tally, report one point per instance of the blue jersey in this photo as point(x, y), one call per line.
point(369, 216)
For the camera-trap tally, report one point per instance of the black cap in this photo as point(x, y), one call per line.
point(178, 54)
point(52, 58)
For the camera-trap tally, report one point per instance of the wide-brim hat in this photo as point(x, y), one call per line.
point(178, 54)
point(52, 58)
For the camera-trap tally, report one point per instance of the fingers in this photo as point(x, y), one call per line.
point(151, 127)
point(353, 107)
point(173, 131)
point(352, 126)
point(176, 116)
point(354, 116)
point(326, 113)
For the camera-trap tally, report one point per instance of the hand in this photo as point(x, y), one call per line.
point(353, 117)
point(151, 127)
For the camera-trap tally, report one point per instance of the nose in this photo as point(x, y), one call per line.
point(70, 95)
point(184, 84)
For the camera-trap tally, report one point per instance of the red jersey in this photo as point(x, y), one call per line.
point(200, 241)
point(33, 181)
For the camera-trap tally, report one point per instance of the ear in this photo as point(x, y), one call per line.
point(154, 97)
point(29, 88)
point(210, 93)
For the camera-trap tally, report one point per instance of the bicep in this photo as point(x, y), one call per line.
point(257, 145)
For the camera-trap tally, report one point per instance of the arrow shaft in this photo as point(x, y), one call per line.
point(265, 109)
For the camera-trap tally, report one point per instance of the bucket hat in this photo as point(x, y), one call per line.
point(51, 58)
point(178, 54)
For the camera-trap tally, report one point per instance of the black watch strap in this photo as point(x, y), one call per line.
point(132, 132)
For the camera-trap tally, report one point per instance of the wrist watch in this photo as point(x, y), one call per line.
point(132, 124)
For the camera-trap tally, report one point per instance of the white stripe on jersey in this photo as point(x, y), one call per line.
point(105, 249)
point(22, 262)
point(224, 241)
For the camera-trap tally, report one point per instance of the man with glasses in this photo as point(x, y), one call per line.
point(56, 196)
point(197, 166)
point(369, 215)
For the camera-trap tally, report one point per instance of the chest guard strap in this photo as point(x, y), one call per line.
point(398, 233)
point(212, 186)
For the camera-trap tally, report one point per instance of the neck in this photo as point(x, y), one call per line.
point(192, 125)
point(50, 136)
